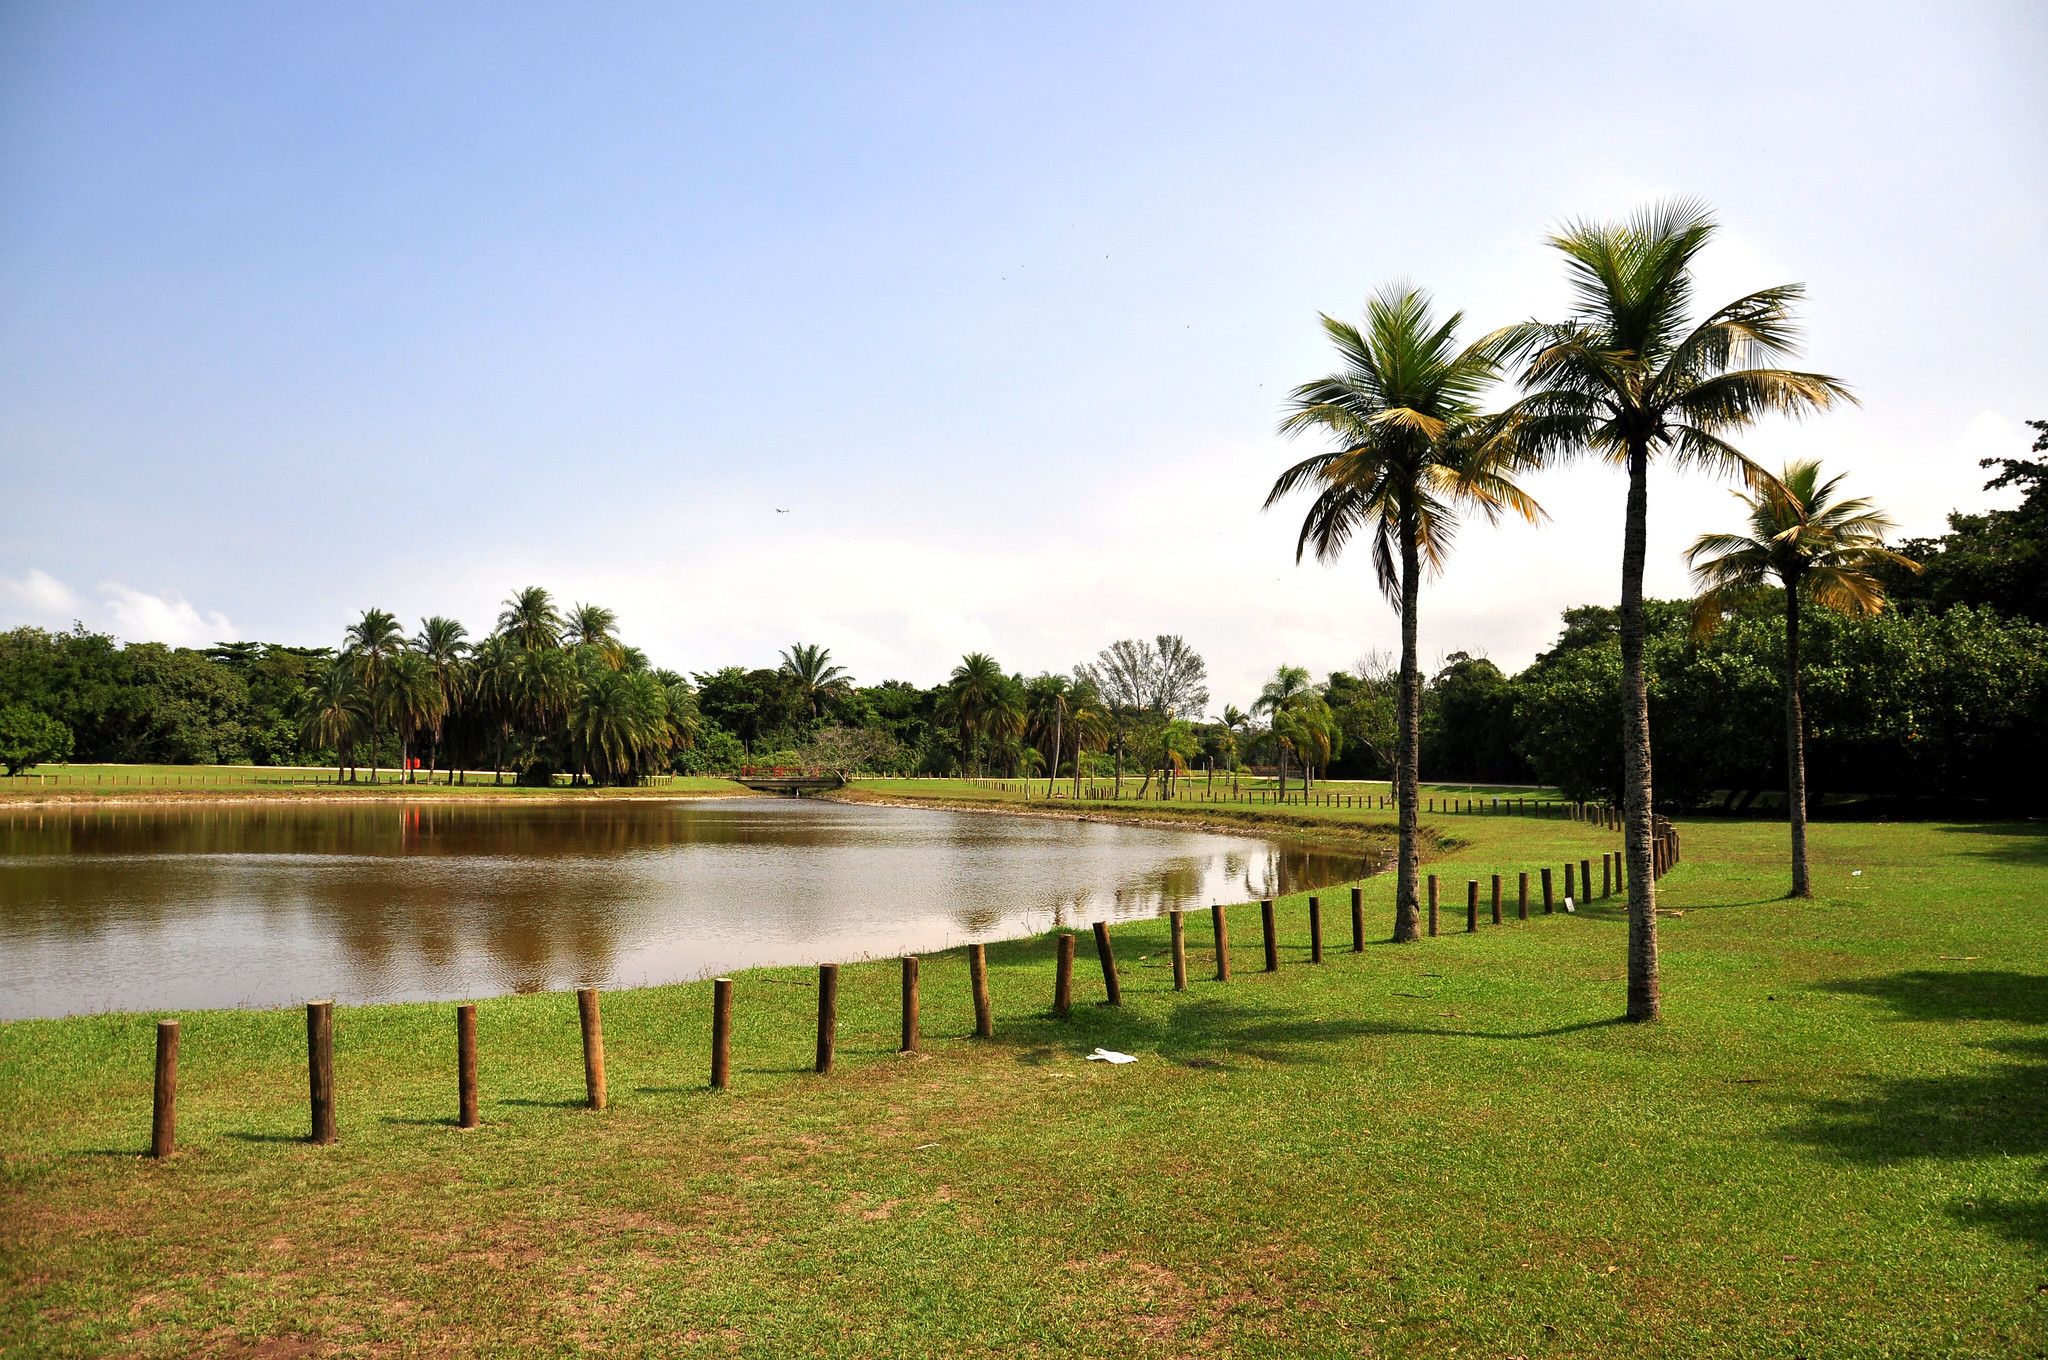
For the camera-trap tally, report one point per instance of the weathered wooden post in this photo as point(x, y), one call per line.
point(1547, 906)
point(1272, 940)
point(1177, 924)
point(163, 1125)
point(721, 1033)
point(1109, 982)
point(1221, 926)
point(593, 1045)
point(1471, 905)
point(1606, 876)
point(1063, 976)
point(1315, 930)
point(1358, 920)
point(828, 1015)
point(1522, 901)
point(465, 1068)
point(1432, 906)
point(1586, 878)
point(1496, 899)
point(911, 1040)
point(320, 1067)
point(977, 972)
point(1568, 889)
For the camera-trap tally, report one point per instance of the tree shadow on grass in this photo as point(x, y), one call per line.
point(1204, 1029)
point(2017, 843)
point(270, 1137)
point(2000, 1111)
point(574, 1103)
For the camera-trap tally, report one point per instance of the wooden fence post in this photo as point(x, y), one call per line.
point(1221, 926)
point(1586, 879)
point(466, 1116)
point(1547, 907)
point(1177, 923)
point(828, 1016)
point(1358, 920)
point(1496, 899)
point(1570, 894)
point(593, 1045)
point(1471, 905)
point(320, 1067)
point(1522, 901)
point(721, 1033)
point(1432, 906)
point(911, 1041)
point(977, 972)
point(1272, 941)
point(163, 1128)
point(1102, 952)
point(1063, 976)
point(1315, 930)
point(1606, 877)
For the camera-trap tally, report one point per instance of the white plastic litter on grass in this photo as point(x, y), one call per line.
point(1106, 1055)
point(1568, 906)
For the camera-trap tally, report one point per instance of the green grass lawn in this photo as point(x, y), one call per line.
point(1834, 1144)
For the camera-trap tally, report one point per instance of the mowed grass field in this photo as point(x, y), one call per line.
point(1833, 1145)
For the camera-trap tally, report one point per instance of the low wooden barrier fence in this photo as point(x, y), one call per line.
point(1665, 853)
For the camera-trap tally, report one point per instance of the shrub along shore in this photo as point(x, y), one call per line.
point(1831, 1144)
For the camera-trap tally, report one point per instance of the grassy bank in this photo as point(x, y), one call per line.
point(1833, 1144)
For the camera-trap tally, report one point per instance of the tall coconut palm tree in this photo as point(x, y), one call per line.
point(971, 688)
point(1404, 413)
point(410, 692)
point(810, 667)
point(1630, 377)
point(1816, 546)
point(1005, 718)
point(592, 625)
point(529, 619)
point(440, 641)
point(333, 711)
point(369, 644)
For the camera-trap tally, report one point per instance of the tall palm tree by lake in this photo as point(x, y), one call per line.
point(1816, 546)
point(1411, 448)
point(972, 688)
point(1282, 692)
point(1629, 377)
point(369, 644)
point(333, 711)
point(810, 667)
point(440, 641)
point(411, 693)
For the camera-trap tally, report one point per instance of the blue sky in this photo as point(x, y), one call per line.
point(305, 311)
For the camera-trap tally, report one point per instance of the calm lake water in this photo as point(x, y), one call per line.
point(109, 908)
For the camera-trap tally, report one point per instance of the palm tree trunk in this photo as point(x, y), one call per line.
point(1643, 1001)
point(1282, 748)
point(1795, 744)
point(1052, 776)
point(1119, 764)
point(1408, 741)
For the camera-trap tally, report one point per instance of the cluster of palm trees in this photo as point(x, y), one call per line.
point(544, 691)
point(1629, 377)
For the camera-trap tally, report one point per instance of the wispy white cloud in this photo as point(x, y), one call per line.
point(138, 616)
point(39, 596)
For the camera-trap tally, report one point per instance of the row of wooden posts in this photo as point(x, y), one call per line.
point(320, 1014)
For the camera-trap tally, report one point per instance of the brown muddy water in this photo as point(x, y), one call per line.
point(110, 908)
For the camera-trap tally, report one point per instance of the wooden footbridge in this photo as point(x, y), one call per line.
point(789, 780)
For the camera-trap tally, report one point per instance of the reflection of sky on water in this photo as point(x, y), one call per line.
point(113, 908)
